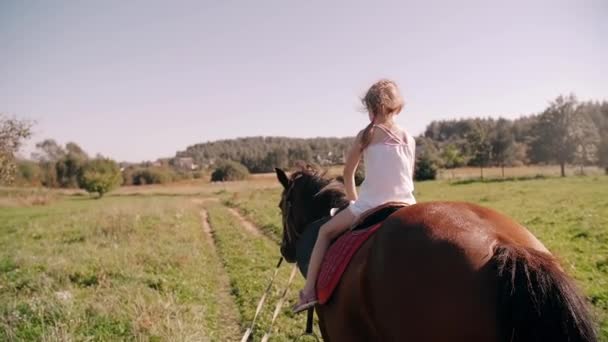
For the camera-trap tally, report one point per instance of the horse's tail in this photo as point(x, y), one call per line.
point(537, 301)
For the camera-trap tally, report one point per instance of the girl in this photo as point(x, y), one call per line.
point(389, 169)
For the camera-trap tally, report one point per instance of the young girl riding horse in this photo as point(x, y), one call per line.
point(389, 154)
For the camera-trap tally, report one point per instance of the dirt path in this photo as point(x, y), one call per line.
point(228, 317)
point(250, 227)
point(206, 227)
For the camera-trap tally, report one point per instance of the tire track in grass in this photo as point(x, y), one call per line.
point(250, 260)
point(259, 207)
point(250, 227)
point(228, 319)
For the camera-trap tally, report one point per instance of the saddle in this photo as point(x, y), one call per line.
point(342, 249)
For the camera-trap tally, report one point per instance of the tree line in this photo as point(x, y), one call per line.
point(55, 166)
point(568, 131)
point(62, 166)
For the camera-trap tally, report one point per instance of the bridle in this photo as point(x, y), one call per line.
point(290, 230)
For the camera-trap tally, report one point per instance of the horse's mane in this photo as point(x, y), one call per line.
point(313, 183)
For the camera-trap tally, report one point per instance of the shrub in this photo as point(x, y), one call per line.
point(151, 175)
point(229, 171)
point(28, 173)
point(425, 169)
point(100, 176)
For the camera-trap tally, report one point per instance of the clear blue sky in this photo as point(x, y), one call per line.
point(138, 80)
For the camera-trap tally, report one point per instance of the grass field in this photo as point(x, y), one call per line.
point(142, 264)
point(114, 269)
point(569, 215)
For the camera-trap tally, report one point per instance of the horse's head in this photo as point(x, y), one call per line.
point(306, 197)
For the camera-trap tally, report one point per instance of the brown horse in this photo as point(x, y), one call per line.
point(439, 271)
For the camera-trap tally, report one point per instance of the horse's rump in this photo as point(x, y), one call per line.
point(459, 278)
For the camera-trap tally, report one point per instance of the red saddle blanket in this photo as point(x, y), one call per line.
point(337, 258)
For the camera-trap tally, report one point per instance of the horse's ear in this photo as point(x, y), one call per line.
point(282, 177)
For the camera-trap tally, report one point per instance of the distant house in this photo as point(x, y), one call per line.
point(186, 163)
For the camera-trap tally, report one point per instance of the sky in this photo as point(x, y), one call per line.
point(138, 80)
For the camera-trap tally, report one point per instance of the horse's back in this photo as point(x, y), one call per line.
point(468, 225)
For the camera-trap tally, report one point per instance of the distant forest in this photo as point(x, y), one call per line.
point(263, 154)
point(567, 132)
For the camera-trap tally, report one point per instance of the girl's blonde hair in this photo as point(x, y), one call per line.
point(381, 100)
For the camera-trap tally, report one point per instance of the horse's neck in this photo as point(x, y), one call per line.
point(321, 209)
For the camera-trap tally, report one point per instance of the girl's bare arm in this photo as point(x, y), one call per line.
point(352, 161)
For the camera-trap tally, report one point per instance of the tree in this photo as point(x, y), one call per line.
point(229, 171)
point(554, 132)
point(76, 151)
point(100, 176)
point(69, 166)
point(48, 151)
point(603, 153)
point(68, 170)
point(60, 166)
point(503, 144)
point(13, 133)
point(451, 157)
point(598, 113)
point(481, 146)
point(586, 139)
point(300, 153)
point(277, 158)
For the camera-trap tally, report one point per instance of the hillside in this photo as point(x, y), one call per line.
point(263, 154)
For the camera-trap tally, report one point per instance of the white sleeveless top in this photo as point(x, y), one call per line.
point(389, 172)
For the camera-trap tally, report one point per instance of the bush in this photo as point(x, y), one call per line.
point(151, 175)
point(28, 173)
point(100, 176)
point(229, 171)
point(425, 169)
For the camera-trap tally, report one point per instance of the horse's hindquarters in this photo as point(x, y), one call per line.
point(437, 271)
point(427, 289)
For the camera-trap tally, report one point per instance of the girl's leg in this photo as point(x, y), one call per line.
point(329, 231)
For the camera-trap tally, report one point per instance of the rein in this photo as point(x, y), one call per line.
point(310, 314)
point(262, 300)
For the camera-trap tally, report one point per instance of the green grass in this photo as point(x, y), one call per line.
point(140, 268)
point(110, 269)
point(260, 207)
point(250, 261)
point(569, 215)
